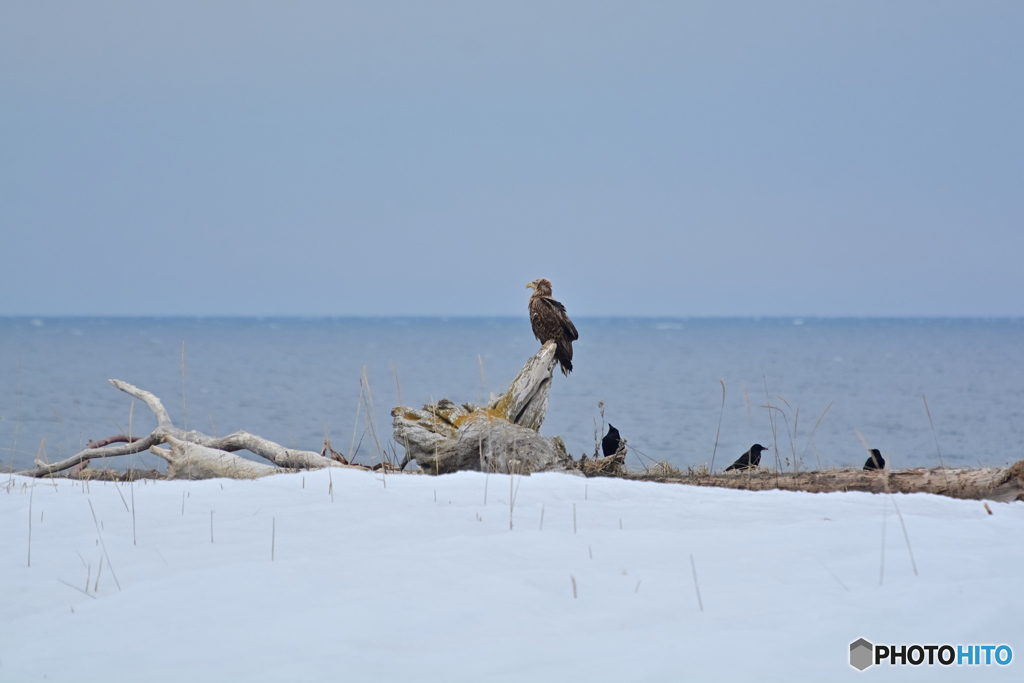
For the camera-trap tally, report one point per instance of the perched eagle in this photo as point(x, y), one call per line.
point(550, 323)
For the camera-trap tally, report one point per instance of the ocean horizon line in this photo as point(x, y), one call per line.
point(798, 319)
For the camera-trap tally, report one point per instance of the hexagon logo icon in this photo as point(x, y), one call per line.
point(861, 654)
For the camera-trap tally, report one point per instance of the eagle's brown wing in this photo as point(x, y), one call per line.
point(551, 323)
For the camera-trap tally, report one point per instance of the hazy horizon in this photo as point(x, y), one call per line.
point(798, 319)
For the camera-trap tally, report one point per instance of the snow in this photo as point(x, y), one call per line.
point(385, 584)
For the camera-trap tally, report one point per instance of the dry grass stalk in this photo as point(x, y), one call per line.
point(131, 484)
point(771, 419)
point(511, 491)
point(832, 574)
point(810, 439)
point(934, 436)
point(121, 495)
point(371, 423)
point(184, 373)
point(881, 570)
point(131, 487)
point(906, 537)
point(30, 495)
point(573, 578)
point(717, 433)
point(696, 586)
point(103, 545)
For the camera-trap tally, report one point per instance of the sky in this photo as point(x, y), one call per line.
point(415, 158)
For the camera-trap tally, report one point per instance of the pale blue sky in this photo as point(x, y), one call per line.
point(858, 158)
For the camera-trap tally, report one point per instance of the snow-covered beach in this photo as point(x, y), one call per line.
point(421, 580)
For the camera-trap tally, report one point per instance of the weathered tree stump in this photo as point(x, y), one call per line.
point(501, 437)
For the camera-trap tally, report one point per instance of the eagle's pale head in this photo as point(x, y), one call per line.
point(541, 286)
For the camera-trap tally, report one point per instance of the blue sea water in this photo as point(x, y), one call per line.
point(297, 380)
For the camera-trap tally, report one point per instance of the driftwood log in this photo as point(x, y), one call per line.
point(987, 483)
point(192, 455)
point(500, 437)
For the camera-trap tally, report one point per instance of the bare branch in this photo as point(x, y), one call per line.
point(162, 418)
point(140, 445)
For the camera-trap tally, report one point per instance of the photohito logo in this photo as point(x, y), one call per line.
point(863, 654)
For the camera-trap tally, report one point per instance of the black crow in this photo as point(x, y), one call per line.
point(876, 461)
point(610, 442)
point(748, 460)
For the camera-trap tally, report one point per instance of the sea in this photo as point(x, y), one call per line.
point(691, 391)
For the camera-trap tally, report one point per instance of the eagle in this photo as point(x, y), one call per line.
point(551, 323)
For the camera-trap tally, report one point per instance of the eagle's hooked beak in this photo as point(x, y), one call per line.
point(530, 285)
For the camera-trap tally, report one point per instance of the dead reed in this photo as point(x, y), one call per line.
point(881, 570)
point(717, 433)
point(131, 486)
point(906, 536)
point(30, 495)
point(103, 545)
point(371, 422)
point(184, 373)
point(696, 586)
point(771, 419)
point(934, 436)
point(832, 574)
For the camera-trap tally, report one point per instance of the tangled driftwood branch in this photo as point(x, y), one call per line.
point(193, 455)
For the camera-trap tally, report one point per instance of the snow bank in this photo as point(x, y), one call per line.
point(389, 584)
